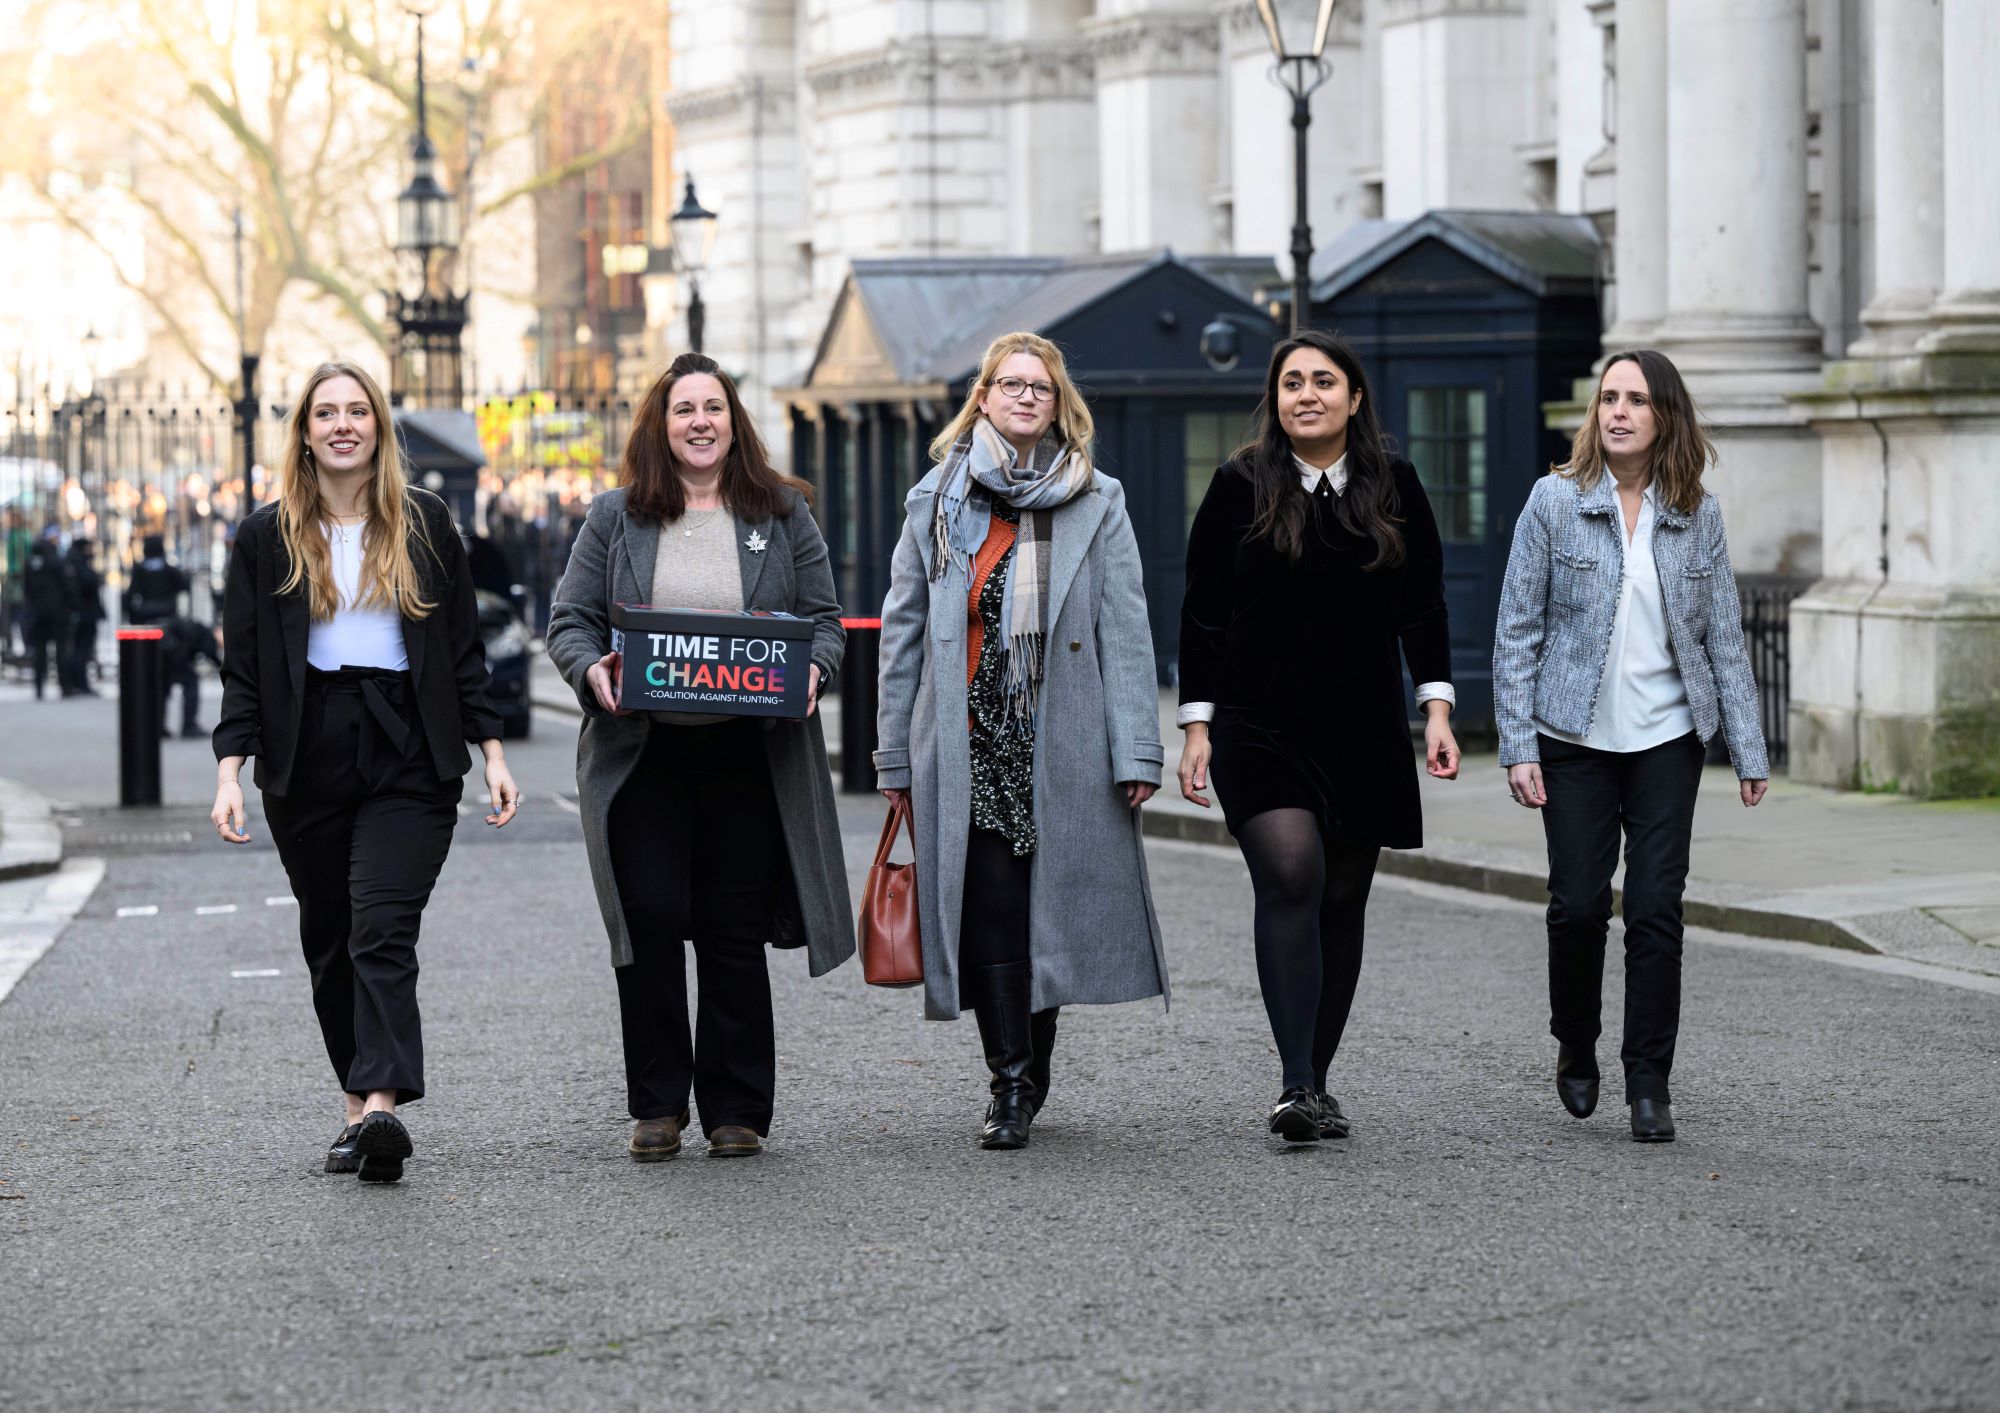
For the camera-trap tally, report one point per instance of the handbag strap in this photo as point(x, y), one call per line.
point(899, 814)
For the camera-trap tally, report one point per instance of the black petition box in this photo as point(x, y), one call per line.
point(704, 660)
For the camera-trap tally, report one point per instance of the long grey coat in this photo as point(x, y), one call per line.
point(1093, 935)
point(612, 563)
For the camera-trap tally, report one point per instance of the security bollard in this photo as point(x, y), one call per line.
point(141, 689)
point(860, 689)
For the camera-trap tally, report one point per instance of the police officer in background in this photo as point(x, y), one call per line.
point(154, 595)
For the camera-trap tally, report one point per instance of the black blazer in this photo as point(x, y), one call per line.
point(1317, 648)
point(264, 650)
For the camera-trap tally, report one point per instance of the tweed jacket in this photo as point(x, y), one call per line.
point(613, 561)
point(1094, 937)
point(1560, 595)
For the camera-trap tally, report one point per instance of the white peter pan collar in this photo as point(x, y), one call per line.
point(1309, 475)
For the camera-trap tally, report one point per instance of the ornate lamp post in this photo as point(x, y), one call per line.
point(693, 228)
point(1299, 74)
point(428, 369)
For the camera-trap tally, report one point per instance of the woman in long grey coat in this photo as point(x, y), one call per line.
point(1019, 714)
point(716, 830)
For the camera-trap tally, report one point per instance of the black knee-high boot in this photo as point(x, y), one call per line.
point(1042, 1032)
point(1005, 1029)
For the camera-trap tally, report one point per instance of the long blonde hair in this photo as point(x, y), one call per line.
point(1073, 421)
point(1682, 450)
point(389, 577)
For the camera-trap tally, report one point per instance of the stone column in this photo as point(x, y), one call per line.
point(1640, 131)
point(1969, 312)
point(1908, 145)
point(1736, 187)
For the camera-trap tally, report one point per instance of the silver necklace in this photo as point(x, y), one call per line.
point(688, 528)
point(346, 532)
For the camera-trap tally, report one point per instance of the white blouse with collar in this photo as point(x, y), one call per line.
point(1310, 477)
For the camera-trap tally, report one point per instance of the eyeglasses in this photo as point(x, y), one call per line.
point(1014, 387)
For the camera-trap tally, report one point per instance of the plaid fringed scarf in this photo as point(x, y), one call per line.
point(980, 469)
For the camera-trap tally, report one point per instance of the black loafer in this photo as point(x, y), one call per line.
point(1332, 1123)
point(1295, 1117)
point(342, 1157)
point(383, 1144)
point(1652, 1121)
point(1576, 1080)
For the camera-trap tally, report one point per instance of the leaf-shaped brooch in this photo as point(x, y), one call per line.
point(755, 544)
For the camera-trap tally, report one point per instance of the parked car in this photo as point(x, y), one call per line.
point(508, 657)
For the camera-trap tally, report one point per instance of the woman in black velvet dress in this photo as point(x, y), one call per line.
point(1314, 572)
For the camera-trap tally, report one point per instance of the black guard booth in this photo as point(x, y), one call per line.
point(902, 348)
point(442, 453)
point(1468, 322)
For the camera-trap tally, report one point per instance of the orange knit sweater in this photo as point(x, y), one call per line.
point(1000, 537)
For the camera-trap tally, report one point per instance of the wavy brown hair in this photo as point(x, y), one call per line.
point(389, 576)
point(1368, 507)
point(752, 488)
point(1681, 450)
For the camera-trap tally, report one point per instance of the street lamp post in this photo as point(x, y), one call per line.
point(1299, 74)
point(693, 228)
point(429, 363)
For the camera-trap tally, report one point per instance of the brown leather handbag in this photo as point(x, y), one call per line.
point(891, 951)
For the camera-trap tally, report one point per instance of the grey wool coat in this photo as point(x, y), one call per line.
point(1093, 936)
point(613, 563)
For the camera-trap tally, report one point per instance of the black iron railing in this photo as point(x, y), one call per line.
point(1767, 636)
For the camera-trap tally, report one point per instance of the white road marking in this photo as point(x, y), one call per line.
point(256, 971)
point(463, 809)
point(214, 909)
point(148, 910)
point(282, 901)
point(571, 805)
point(34, 910)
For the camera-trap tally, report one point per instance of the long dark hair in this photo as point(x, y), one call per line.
point(1682, 450)
point(1368, 506)
point(752, 488)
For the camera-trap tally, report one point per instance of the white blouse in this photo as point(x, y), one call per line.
point(1336, 480)
point(354, 637)
point(1641, 701)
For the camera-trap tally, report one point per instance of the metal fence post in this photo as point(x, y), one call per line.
point(141, 700)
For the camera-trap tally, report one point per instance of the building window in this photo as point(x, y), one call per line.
point(1207, 440)
point(1447, 445)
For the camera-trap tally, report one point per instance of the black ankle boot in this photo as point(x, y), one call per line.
point(1576, 1080)
point(1005, 1030)
point(1042, 1033)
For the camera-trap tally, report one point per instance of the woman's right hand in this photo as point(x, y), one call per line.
point(604, 678)
point(1524, 783)
point(228, 816)
point(1194, 762)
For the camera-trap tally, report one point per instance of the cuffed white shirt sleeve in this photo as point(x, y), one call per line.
point(1191, 712)
point(1437, 692)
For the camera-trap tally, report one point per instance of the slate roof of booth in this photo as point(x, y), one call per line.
point(1541, 251)
point(936, 317)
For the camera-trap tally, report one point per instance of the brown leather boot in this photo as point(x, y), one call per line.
point(733, 1141)
point(656, 1140)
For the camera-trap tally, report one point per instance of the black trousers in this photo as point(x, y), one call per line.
point(993, 917)
point(363, 833)
point(697, 848)
point(1594, 796)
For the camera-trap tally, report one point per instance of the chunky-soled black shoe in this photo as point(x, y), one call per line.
point(341, 1157)
point(1295, 1117)
point(1576, 1080)
point(383, 1144)
point(1042, 1032)
point(1332, 1123)
point(1652, 1121)
point(1005, 1028)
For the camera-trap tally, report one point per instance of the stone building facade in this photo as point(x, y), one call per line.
point(1797, 198)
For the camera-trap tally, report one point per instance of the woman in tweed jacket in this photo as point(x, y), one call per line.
point(1618, 655)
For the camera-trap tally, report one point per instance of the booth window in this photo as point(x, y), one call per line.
point(1447, 445)
point(1208, 439)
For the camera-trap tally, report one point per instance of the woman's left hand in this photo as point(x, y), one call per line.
point(1753, 791)
point(1441, 756)
point(501, 792)
point(812, 690)
point(1137, 792)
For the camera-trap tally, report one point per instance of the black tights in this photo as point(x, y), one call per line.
point(993, 927)
point(1312, 897)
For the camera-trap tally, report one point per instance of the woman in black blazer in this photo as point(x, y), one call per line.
point(353, 671)
point(1313, 560)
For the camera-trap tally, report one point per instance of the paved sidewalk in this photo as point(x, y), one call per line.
point(1875, 873)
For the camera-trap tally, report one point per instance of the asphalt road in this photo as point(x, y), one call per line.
point(1823, 1236)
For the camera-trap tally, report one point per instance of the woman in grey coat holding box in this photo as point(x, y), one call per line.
point(716, 830)
point(1020, 714)
point(1617, 656)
